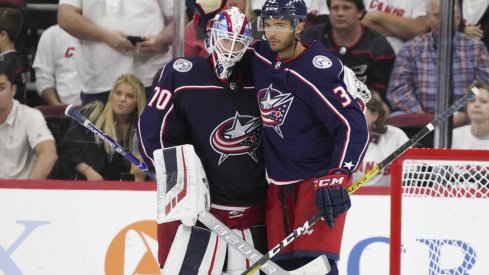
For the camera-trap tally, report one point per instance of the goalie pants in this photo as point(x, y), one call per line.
point(197, 250)
point(288, 207)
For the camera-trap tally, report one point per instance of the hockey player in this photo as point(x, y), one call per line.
point(211, 104)
point(314, 134)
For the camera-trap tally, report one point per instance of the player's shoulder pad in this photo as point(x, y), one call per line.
point(318, 63)
point(185, 64)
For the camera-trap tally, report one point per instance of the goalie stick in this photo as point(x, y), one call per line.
point(318, 266)
point(73, 113)
point(369, 175)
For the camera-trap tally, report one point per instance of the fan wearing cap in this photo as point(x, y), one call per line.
point(211, 104)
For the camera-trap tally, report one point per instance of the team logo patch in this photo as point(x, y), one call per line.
point(238, 135)
point(182, 65)
point(321, 62)
point(274, 107)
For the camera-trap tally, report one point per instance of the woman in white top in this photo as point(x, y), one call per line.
point(475, 135)
point(384, 139)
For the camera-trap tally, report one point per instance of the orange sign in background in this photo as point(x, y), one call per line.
point(133, 250)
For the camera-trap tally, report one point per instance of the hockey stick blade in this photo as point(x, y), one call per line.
point(319, 266)
point(375, 170)
point(73, 113)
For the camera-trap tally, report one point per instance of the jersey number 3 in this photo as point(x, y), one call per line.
point(340, 91)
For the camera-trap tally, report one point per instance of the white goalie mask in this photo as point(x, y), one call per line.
point(228, 38)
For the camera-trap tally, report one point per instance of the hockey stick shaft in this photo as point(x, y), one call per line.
point(252, 254)
point(369, 175)
point(73, 113)
point(207, 219)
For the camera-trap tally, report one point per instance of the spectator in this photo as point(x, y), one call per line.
point(475, 135)
point(27, 147)
point(399, 20)
point(194, 35)
point(83, 155)
point(10, 27)
point(383, 140)
point(56, 78)
point(475, 19)
point(105, 51)
point(413, 82)
point(364, 51)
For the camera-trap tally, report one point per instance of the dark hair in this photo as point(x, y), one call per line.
point(8, 71)
point(376, 105)
point(11, 22)
point(358, 3)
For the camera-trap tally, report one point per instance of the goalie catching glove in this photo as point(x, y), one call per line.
point(182, 188)
point(332, 197)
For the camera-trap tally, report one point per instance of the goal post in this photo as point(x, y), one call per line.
point(440, 212)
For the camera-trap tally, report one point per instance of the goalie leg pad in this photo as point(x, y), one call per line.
point(195, 251)
point(236, 262)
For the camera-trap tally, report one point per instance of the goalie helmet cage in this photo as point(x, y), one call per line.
point(439, 212)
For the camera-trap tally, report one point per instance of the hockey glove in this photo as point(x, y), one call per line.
point(332, 197)
point(204, 10)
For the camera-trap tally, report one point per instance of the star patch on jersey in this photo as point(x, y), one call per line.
point(182, 65)
point(321, 62)
point(349, 165)
point(274, 107)
point(238, 135)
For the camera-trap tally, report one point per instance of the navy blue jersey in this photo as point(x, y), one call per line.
point(190, 105)
point(311, 123)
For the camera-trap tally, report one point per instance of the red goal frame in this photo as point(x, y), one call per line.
point(396, 190)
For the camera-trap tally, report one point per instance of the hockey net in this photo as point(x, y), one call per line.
point(440, 212)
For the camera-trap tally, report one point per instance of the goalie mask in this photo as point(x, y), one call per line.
point(228, 38)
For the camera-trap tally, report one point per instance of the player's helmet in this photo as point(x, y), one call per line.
point(295, 10)
point(228, 37)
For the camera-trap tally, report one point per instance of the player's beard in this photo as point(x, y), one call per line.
point(286, 45)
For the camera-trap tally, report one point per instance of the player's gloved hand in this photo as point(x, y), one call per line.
point(332, 197)
point(204, 10)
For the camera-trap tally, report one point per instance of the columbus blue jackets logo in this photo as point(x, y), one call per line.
point(238, 135)
point(274, 107)
point(182, 65)
point(321, 62)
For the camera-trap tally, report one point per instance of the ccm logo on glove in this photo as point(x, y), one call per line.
point(332, 181)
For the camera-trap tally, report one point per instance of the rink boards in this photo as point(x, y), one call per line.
point(56, 227)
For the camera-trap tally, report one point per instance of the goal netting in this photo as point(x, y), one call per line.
point(440, 212)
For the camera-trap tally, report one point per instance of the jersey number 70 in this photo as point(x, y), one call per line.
point(161, 97)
